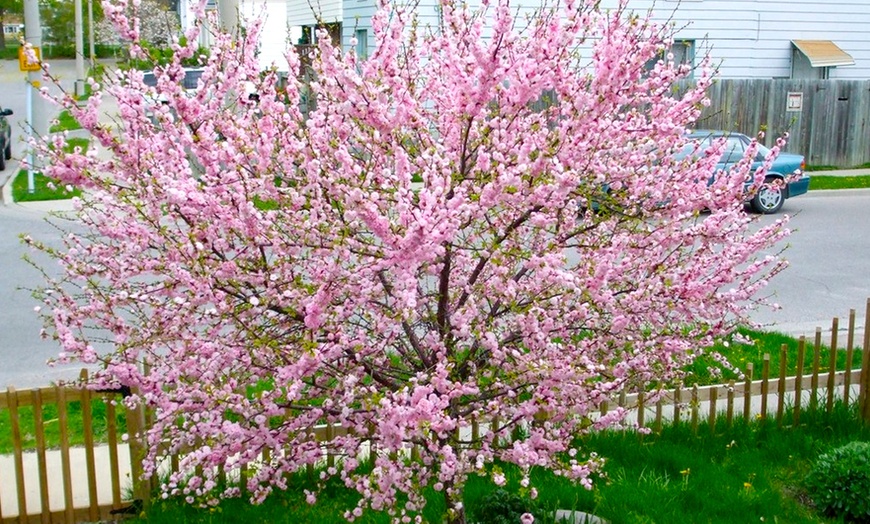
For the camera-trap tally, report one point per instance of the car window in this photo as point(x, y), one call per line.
point(734, 150)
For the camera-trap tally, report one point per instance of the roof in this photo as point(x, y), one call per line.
point(823, 53)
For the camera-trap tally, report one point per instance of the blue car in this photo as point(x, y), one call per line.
point(780, 183)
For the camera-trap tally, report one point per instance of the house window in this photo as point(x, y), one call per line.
point(362, 43)
point(683, 52)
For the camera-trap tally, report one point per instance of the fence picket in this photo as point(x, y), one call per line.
point(729, 414)
point(12, 402)
point(798, 380)
point(42, 463)
point(640, 409)
point(765, 386)
point(747, 391)
point(678, 393)
point(90, 461)
point(814, 381)
point(714, 397)
point(832, 363)
point(780, 394)
point(865, 367)
point(69, 514)
point(695, 403)
point(850, 348)
point(114, 462)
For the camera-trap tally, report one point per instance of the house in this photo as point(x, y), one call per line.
point(802, 39)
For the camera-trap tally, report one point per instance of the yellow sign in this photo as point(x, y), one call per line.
point(26, 65)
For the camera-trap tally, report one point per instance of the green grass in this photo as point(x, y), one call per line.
point(52, 428)
point(44, 187)
point(747, 473)
point(740, 355)
point(65, 122)
point(839, 182)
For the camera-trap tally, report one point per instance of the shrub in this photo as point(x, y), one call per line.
point(840, 481)
point(504, 507)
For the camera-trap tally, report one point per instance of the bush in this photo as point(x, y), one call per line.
point(840, 482)
point(503, 507)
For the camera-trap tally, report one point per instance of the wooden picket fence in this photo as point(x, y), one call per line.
point(100, 481)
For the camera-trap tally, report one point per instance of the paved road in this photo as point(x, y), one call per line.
point(829, 255)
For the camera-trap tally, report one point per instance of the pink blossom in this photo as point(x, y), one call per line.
point(426, 257)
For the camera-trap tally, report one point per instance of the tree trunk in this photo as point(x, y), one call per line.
point(453, 516)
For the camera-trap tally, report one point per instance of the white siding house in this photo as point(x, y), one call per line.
point(754, 38)
point(745, 38)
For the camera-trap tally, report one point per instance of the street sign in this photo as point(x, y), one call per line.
point(26, 65)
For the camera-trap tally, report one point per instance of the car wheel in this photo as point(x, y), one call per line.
point(2, 162)
point(769, 198)
point(7, 154)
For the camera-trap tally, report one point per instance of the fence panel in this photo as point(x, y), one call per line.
point(830, 129)
point(50, 476)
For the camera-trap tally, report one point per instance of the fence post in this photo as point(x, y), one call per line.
point(850, 348)
point(814, 381)
point(783, 370)
point(12, 402)
point(765, 386)
point(41, 459)
point(798, 379)
point(747, 392)
point(865, 367)
point(714, 400)
point(90, 459)
point(832, 363)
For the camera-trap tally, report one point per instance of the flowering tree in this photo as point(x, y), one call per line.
point(482, 221)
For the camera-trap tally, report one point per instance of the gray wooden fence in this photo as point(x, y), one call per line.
point(828, 120)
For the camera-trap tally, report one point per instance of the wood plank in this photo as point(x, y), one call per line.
point(765, 387)
point(798, 386)
point(865, 367)
point(17, 449)
point(63, 423)
point(747, 392)
point(714, 397)
point(780, 397)
point(90, 461)
point(41, 462)
point(814, 381)
point(114, 462)
point(832, 364)
point(729, 413)
point(850, 352)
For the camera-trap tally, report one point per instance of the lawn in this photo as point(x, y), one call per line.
point(748, 473)
point(44, 187)
point(65, 122)
point(838, 182)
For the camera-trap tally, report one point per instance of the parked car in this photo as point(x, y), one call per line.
point(784, 179)
point(5, 138)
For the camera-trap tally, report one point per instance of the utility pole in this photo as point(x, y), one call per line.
point(80, 51)
point(37, 108)
point(93, 55)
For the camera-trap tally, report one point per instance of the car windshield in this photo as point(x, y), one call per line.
point(735, 148)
